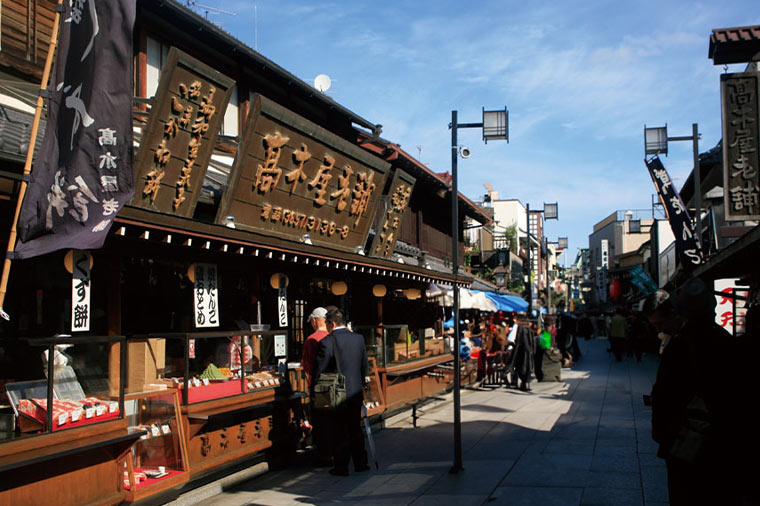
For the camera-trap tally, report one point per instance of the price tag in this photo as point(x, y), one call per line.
point(155, 431)
point(205, 381)
point(62, 418)
point(165, 428)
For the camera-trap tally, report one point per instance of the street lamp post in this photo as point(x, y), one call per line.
point(656, 142)
point(495, 126)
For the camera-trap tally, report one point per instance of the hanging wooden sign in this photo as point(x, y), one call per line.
point(396, 203)
point(741, 145)
point(294, 179)
point(180, 135)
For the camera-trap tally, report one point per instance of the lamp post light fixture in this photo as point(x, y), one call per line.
point(495, 126)
point(656, 142)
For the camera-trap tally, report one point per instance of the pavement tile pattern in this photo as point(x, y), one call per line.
point(585, 441)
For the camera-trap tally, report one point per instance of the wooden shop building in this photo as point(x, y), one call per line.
point(176, 347)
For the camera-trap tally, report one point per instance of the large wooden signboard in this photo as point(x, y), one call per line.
point(396, 203)
point(178, 141)
point(294, 179)
point(741, 145)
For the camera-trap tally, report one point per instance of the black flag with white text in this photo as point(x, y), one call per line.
point(83, 174)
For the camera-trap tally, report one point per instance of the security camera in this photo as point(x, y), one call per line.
point(464, 152)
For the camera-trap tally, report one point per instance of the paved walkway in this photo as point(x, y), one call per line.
point(584, 441)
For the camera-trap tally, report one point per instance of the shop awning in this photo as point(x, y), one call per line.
point(506, 302)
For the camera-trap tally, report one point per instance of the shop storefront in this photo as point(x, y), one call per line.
point(178, 343)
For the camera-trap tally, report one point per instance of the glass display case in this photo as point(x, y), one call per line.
point(205, 366)
point(82, 383)
point(393, 345)
point(158, 460)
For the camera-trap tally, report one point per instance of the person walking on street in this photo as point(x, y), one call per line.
point(320, 432)
point(345, 420)
point(525, 350)
point(692, 418)
point(618, 333)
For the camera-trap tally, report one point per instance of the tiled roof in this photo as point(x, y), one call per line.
point(735, 45)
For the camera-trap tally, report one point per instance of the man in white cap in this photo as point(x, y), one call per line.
point(320, 433)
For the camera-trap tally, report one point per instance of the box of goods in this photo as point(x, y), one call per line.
point(147, 361)
point(37, 409)
point(262, 380)
point(213, 383)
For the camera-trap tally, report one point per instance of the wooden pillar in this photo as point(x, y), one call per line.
point(113, 307)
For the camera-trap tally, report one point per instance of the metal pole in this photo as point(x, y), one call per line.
point(697, 182)
point(457, 466)
point(530, 260)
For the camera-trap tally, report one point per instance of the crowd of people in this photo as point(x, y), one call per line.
point(699, 424)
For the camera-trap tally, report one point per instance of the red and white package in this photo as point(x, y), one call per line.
point(74, 410)
point(60, 415)
point(29, 408)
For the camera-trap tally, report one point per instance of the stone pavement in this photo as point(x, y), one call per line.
point(584, 441)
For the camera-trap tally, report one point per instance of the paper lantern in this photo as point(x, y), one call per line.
point(274, 281)
point(615, 289)
point(379, 290)
point(68, 260)
point(339, 287)
point(412, 293)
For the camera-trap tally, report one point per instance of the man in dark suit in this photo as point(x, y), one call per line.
point(348, 441)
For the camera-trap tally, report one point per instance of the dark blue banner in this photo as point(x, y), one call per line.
point(687, 246)
point(84, 173)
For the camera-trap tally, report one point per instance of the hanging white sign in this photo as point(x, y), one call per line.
point(80, 291)
point(206, 296)
point(282, 305)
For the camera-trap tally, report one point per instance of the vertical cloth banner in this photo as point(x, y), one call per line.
point(687, 246)
point(84, 172)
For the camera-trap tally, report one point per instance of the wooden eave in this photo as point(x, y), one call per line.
point(740, 44)
point(140, 224)
point(172, 19)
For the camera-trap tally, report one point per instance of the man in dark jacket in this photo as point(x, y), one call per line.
point(348, 441)
point(690, 416)
point(525, 349)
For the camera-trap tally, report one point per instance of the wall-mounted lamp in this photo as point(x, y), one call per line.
point(229, 221)
point(306, 239)
point(359, 250)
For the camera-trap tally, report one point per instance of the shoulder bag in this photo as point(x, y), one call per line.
point(330, 389)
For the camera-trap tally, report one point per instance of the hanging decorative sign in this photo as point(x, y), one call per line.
point(206, 296)
point(741, 146)
point(282, 305)
point(729, 310)
point(294, 179)
point(605, 253)
point(80, 290)
point(642, 280)
point(687, 246)
point(180, 135)
point(396, 203)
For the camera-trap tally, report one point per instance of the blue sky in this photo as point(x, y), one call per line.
point(580, 80)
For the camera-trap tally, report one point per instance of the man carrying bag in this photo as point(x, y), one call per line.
point(339, 373)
